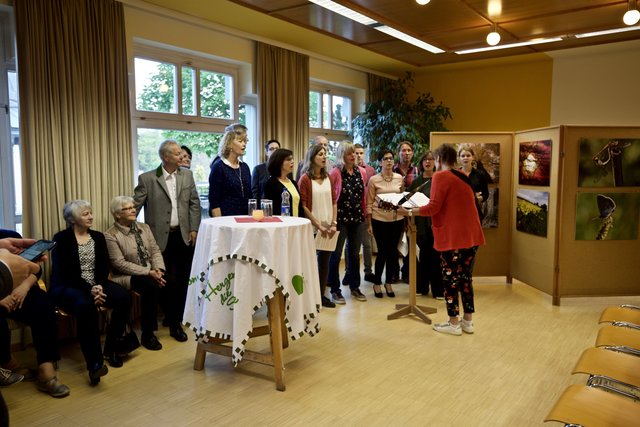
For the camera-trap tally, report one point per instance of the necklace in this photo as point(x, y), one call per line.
point(387, 179)
point(240, 178)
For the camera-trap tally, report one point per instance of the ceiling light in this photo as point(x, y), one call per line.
point(493, 38)
point(632, 16)
point(422, 2)
point(407, 38)
point(344, 11)
point(365, 20)
point(507, 46)
point(605, 32)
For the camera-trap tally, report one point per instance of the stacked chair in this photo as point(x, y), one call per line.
point(611, 396)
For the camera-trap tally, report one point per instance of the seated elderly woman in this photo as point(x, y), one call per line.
point(136, 262)
point(80, 286)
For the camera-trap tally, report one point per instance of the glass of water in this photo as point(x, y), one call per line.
point(267, 207)
point(253, 205)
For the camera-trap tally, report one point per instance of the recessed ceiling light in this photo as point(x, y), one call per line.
point(422, 2)
point(344, 11)
point(407, 38)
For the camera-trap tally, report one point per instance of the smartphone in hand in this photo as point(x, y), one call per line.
point(35, 251)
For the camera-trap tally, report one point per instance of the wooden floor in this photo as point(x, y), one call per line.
point(361, 369)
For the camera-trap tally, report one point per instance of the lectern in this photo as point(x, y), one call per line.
point(412, 307)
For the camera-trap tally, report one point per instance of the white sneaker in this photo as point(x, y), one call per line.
point(467, 326)
point(448, 328)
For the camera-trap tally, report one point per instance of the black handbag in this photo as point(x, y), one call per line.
point(128, 342)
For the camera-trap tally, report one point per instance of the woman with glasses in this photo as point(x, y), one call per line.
point(137, 263)
point(384, 224)
point(428, 271)
point(230, 177)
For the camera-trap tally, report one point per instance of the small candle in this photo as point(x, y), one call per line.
point(258, 214)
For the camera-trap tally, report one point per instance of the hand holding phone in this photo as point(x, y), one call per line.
point(35, 251)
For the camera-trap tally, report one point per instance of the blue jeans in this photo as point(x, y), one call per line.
point(352, 233)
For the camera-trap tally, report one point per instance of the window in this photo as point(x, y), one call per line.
point(11, 185)
point(203, 93)
point(190, 100)
point(330, 112)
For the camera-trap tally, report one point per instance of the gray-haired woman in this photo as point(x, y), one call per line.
point(137, 263)
point(80, 285)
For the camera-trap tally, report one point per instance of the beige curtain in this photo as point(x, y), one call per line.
point(282, 81)
point(74, 109)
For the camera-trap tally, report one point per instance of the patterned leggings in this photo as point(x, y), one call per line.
point(456, 277)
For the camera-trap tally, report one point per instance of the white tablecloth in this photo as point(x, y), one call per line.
point(237, 265)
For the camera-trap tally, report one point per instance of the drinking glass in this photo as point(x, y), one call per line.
point(253, 205)
point(267, 207)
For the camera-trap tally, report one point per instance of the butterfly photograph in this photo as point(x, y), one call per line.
point(607, 216)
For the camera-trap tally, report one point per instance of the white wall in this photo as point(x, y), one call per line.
point(597, 85)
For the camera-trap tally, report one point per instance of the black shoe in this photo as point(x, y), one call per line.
point(378, 294)
point(98, 370)
point(150, 342)
point(177, 333)
point(389, 290)
point(326, 302)
point(370, 277)
point(114, 360)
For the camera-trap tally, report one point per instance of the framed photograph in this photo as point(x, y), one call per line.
point(487, 159)
point(607, 216)
point(534, 167)
point(532, 212)
point(609, 162)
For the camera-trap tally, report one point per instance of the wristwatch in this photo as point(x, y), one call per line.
point(410, 212)
point(334, 223)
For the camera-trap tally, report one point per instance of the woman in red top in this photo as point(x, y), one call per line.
point(457, 234)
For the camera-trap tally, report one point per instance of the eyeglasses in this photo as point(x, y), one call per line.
point(130, 208)
point(387, 159)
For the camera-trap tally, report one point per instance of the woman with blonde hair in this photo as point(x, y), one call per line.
point(230, 177)
point(350, 181)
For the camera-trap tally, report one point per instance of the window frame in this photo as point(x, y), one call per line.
point(179, 60)
point(331, 90)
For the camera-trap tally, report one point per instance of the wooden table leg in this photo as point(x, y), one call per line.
point(201, 354)
point(275, 323)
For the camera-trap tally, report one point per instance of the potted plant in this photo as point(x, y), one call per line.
point(392, 118)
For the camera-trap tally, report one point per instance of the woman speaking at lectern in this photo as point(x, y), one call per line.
point(457, 234)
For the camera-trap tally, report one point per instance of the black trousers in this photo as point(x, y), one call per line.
point(38, 313)
point(387, 235)
point(177, 262)
point(79, 302)
point(148, 288)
